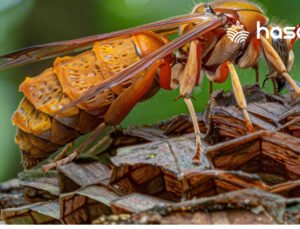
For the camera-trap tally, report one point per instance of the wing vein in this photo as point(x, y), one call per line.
point(146, 62)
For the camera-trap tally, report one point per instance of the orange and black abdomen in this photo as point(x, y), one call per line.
point(40, 130)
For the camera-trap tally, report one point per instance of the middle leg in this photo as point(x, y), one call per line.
point(191, 78)
point(239, 95)
point(196, 158)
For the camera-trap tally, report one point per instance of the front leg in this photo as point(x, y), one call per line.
point(275, 61)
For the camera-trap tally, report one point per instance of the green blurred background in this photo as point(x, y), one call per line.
point(28, 22)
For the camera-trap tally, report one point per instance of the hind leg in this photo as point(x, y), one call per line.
point(59, 162)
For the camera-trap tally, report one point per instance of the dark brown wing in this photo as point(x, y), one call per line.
point(207, 25)
point(51, 50)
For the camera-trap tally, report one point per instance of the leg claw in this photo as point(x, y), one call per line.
point(196, 161)
point(196, 158)
point(250, 128)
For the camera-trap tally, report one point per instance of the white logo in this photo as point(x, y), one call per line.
point(237, 33)
point(278, 33)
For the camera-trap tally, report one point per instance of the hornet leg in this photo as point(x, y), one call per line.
point(256, 69)
point(64, 152)
point(190, 78)
point(274, 59)
point(77, 151)
point(274, 86)
point(239, 95)
point(196, 158)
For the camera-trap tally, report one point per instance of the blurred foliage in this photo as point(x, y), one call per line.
point(13, 13)
point(27, 22)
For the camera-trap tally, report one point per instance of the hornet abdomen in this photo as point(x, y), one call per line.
point(41, 130)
